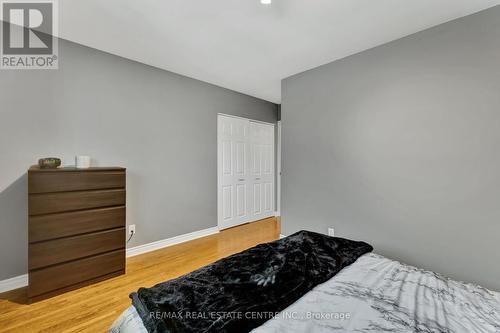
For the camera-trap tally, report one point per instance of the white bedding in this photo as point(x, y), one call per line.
point(376, 294)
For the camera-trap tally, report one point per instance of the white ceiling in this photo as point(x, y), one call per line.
point(243, 45)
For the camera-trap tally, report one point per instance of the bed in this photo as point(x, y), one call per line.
point(375, 294)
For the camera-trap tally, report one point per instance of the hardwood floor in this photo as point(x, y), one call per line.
point(94, 308)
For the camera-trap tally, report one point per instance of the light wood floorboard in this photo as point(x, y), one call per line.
point(94, 308)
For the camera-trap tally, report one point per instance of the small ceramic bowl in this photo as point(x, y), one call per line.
point(49, 163)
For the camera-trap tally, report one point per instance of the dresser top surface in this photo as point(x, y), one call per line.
point(36, 168)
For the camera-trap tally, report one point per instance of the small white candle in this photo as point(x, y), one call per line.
point(82, 162)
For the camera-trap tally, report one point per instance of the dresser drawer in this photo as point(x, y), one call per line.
point(46, 182)
point(71, 248)
point(60, 276)
point(45, 227)
point(70, 201)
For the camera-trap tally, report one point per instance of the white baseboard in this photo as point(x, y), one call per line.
point(134, 251)
point(14, 283)
point(22, 280)
point(282, 236)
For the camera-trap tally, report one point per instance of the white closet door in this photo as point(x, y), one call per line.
point(245, 171)
point(234, 176)
point(262, 170)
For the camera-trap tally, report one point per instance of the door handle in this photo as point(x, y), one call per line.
point(241, 180)
point(257, 178)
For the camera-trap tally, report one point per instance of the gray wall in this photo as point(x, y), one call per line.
point(161, 126)
point(400, 146)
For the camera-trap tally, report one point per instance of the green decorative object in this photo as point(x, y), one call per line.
point(49, 163)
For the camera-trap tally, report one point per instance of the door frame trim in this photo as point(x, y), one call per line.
point(243, 118)
point(278, 167)
point(218, 165)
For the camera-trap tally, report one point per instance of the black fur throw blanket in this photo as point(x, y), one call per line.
point(241, 292)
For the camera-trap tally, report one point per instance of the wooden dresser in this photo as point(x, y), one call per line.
point(76, 228)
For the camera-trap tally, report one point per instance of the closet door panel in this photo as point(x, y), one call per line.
point(262, 152)
point(233, 174)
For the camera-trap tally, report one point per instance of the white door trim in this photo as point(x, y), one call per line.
point(278, 170)
point(238, 117)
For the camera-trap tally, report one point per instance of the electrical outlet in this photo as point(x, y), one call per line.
point(331, 232)
point(131, 229)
